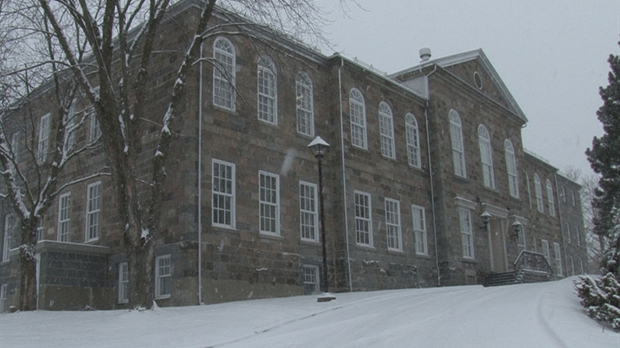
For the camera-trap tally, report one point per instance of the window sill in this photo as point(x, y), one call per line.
point(163, 297)
point(270, 236)
point(366, 246)
point(395, 251)
point(91, 241)
point(310, 242)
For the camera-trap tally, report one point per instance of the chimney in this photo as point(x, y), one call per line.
point(425, 54)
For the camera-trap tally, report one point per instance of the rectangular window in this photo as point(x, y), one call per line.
point(163, 276)
point(44, 134)
point(223, 192)
point(94, 131)
point(64, 217)
point(363, 219)
point(580, 266)
point(545, 250)
point(40, 230)
point(572, 266)
point(123, 282)
point(392, 223)
point(9, 224)
point(567, 232)
point(562, 194)
point(467, 234)
point(308, 209)
point(267, 91)
point(311, 279)
point(93, 211)
point(577, 235)
point(269, 195)
point(419, 229)
point(572, 197)
point(305, 104)
point(15, 149)
point(558, 258)
point(3, 294)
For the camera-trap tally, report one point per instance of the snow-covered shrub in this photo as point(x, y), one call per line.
point(601, 298)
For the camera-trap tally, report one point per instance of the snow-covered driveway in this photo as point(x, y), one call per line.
point(529, 315)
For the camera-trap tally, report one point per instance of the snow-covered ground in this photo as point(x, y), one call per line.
point(528, 315)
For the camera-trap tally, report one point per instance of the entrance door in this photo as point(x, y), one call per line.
point(498, 249)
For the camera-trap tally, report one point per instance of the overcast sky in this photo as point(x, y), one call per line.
point(552, 55)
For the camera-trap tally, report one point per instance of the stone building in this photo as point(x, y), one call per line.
point(426, 182)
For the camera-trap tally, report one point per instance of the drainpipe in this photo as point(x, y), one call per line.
point(344, 177)
point(200, 179)
point(430, 171)
point(557, 192)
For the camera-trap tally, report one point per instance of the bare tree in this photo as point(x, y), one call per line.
point(34, 173)
point(107, 47)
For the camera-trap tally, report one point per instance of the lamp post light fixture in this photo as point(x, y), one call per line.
point(486, 218)
point(319, 147)
point(516, 227)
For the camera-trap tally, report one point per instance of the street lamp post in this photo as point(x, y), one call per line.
point(319, 147)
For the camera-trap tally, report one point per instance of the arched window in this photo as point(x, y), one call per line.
point(511, 168)
point(224, 74)
point(267, 87)
point(550, 198)
point(413, 141)
point(486, 156)
point(458, 150)
point(305, 104)
point(386, 128)
point(538, 191)
point(357, 109)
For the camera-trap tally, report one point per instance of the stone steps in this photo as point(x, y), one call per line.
point(505, 278)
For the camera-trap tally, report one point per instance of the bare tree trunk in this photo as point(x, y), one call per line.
point(27, 259)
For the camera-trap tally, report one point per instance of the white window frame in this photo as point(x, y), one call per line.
point(44, 134)
point(308, 212)
point(311, 279)
point(486, 156)
point(123, 282)
point(545, 250)
point(540, 205)
point(93, 211)
point(267, 90)
point(577, 235)
point(386, 130)
point(15, 150)
point(304, 92)
point(64, 217)
point(572, 265)
point(3, 297)
point(558, 258)
point(511, 169)
point(413, 141)
point(392, 225)
point(467, 233)
point(563, 194)
point(222, 193)
point(363, 218)
point(357, 111)
point(572, 197)
point(418, 217)
point(269, 202)
point(550, 199)
point(580, 266)
point(568, 233)
point(163, 277)
point(7, 240)
point(40, 230)
point(224, 74)
point(94, 131)
point(458, 149)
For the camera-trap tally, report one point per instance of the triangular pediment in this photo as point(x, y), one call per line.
point(472, 68)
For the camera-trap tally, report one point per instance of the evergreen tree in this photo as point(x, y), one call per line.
point(604, 158)
point(601, 296)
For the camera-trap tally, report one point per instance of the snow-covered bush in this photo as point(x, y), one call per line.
point(601, 298)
